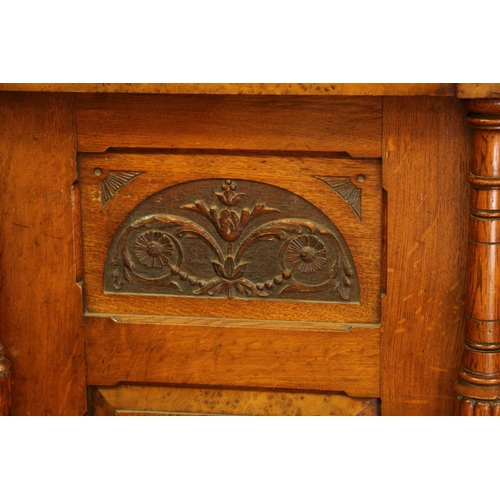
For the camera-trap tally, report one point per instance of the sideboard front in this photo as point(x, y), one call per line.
point(232, 254)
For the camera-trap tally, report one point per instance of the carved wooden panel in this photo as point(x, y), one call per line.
point(232, 236)
point(233, 239)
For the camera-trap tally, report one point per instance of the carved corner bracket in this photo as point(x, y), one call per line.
point(347, 190)
point(113, 182)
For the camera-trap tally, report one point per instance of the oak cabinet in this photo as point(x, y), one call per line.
point(189, 253)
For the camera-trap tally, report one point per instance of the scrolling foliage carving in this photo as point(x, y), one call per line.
point(230, 239)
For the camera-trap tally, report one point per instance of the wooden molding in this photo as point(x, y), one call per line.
point(438, 89)
point(478, 90)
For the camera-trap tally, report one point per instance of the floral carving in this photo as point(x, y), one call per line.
point(239, 256)
point(153, 249)
point(229, 223)
point(306, 253)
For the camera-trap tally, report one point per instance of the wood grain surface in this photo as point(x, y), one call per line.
point(283, 123)
point(297, 175)
point(439, 89)
point(478, 90)
point(40, 302)
point(426, 158)
point(478, 388)
point(183, 353)
point(131, 400)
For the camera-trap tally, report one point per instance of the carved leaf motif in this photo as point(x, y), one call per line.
point(218, 269)
point(184, 228)
point(345, 188)
point(230, 224)
point(229, 198)
point(123, 269)
point(343, 280)
point(113, 182)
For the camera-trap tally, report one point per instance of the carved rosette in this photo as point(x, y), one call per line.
point(223, 238)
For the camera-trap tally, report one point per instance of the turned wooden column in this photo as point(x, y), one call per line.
point(5, 394)
point(478, 388)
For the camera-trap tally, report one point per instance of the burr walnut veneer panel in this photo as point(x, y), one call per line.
point(311, 89)
point(125, 400)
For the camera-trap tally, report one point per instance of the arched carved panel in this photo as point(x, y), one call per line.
point(232, 239)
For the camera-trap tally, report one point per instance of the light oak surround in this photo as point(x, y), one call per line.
point(403, 178)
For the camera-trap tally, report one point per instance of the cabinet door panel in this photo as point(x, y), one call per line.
point(224, 236)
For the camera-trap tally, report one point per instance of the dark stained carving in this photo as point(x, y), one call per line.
point(4, 363)
point(223, 238)
point(347, 190)
point(5, 385)
point(113, 182)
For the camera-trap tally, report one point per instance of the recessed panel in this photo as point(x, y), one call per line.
point(247, 237)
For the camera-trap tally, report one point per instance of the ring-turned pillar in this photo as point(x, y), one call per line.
point(478, 388)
